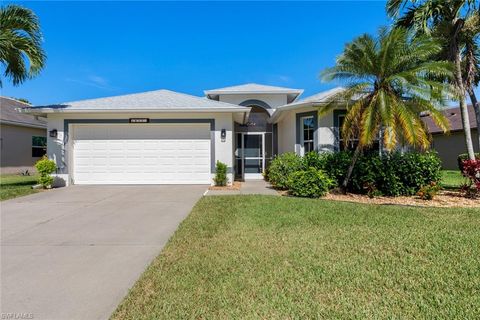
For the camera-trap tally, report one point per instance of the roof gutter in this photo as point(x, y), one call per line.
point(23, 124)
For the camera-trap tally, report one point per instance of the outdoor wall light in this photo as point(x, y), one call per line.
point(53, 133)
point(223, 135)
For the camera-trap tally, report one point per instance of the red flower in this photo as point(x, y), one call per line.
point(471, 170)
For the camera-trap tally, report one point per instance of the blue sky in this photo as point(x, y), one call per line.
point(98, 49)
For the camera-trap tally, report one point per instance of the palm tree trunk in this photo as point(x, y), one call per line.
point(356, 154)
point(463, 106)
point(476, 108)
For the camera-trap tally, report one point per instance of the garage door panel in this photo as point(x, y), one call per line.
point(126, 154)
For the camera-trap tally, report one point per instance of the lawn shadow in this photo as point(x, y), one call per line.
point(17, 184)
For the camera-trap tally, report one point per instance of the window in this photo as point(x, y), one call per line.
point(39, 146)
point(308, 129)
point(352, 144)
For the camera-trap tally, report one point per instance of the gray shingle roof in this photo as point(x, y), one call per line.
point(159, 100)
point(320, 97)
point(9, 114)
point(317, 98)
point(253, 88)
point(313, 100)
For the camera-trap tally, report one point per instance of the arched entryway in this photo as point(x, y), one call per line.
point(253, 146)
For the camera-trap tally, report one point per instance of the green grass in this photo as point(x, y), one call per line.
point(262, 257)
point(12, 186)
point(452, 179)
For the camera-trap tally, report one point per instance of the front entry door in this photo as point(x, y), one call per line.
point(253, 160)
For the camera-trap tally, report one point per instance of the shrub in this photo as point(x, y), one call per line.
point(464, 156)
point(392, 174)
point(336, 164)
point(45, 168)
point(309, 183)
point(281, 167)
point(313, 160)
point(429, 192)
point(366, 175)
point(220, 174)
point(471, 171)
point(405, 174)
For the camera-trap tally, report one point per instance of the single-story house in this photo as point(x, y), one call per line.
point(450, 145)
point(22, 137)
point(166, 137)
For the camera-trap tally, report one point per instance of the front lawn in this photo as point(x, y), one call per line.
point(452, 179)
point(262, 257)
point(12, 186)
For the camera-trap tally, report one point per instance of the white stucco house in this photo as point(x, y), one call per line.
point(166, 137)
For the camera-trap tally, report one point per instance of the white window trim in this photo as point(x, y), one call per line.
point(302, 135)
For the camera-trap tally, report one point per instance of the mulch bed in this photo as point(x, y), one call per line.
point(236, 185)
point(445, 198)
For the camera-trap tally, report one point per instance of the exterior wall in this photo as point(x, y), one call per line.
point(61, 153)
point(273, 100)
point(286, 133)
point(324, 137)
point(16, 147)
point(450, 146)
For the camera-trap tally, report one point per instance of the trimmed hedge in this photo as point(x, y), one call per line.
point(309, 183)
point(281, 167)
point(392, 174)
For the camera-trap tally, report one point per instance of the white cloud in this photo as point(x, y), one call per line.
point(93, 81)
point(284, 78)
point(98, 80)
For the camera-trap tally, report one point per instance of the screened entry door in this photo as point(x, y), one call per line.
point(251, 155)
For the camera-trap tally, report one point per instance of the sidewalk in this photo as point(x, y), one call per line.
point(248, 187)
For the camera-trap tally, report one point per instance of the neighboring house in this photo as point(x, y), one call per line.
point(166, 137)
point(22, 137)
point(449, 146)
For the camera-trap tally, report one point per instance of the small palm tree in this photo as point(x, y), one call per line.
point(21, 54)
point(426, 16)
point(388, 84)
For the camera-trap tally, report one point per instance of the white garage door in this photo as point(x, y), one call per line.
point(141, 154)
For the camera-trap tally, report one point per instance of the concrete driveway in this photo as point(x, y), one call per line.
point(73, 253)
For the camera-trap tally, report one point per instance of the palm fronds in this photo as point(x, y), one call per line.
point(389, 81)
point(21, 53)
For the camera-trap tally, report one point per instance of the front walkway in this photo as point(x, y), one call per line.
point(248, 187)
point(73, 253)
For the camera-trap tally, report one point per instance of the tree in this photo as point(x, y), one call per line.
point(388, 85)
point(471, 62)
point(22, 100)
point(21, 54)
point(427, 15)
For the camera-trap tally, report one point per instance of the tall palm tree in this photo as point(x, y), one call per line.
point(388, 85)
point(21, 54)
point(471, 62)
point(424, 16)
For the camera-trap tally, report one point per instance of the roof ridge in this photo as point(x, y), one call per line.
point(232, 87)
point(161, 99)
point(326, 92)
point(13, 99)
point(191, 96)
point(202, 98)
